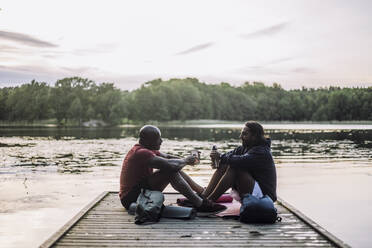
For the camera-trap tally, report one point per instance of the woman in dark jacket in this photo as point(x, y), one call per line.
point(248, 168)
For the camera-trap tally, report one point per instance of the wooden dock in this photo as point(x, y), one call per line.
point(105, 223)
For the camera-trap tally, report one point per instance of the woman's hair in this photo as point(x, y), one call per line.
point(257, 131)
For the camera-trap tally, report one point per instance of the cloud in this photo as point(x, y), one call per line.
point(259, 70)
point(266, 31)
point(10, 78)
point(16, 75)
point(8, 49)
point(25, 39)
point(100, 48)
point(81, 69)
point(196, 48)
point(51, 55)
point(16, 53)
point(264, 67)
point(26, 68)
point(278, 61)
point(303, 70)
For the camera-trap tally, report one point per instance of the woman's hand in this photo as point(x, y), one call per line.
point(215, 156)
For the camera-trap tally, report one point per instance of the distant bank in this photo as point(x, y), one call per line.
point(291, 125)
point(81, 102)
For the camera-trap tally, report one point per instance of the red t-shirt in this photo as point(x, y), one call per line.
point(135, 168)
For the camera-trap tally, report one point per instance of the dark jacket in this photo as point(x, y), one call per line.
point(259, 162)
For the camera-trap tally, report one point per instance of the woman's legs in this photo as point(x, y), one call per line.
point(216, 177)
point(242, 180)
point(244, 183)
point(225, 182)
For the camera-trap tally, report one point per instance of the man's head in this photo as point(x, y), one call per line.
point(150, 137)
point(252, 134)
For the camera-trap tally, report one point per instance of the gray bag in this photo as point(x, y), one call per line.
point(149, 206)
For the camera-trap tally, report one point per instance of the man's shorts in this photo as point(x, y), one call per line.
point(133, 194)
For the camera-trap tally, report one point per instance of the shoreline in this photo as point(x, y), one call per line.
point(187, 123)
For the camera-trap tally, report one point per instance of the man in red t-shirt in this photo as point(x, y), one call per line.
point(137, 173)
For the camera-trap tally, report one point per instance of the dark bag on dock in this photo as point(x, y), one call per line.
point(258, 210)
point(149, 206)
point(175, 212)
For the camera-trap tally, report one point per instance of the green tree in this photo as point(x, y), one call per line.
point(4, 111)
point(81, 99)
point(76, 110)
point(28, 102)
point(61, 99)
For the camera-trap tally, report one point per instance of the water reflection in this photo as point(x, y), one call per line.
point(361, 137)
point(77, 150)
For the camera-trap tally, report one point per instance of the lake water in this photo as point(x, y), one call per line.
point(48, 174)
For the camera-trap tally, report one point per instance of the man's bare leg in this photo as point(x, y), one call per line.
point(179, 183)
point(216, 177)
point(196, 187)
point(160, 179)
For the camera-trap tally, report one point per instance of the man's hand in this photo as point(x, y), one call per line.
point(191, 160)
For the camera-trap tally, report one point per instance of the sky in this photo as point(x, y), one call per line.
point(310, 43)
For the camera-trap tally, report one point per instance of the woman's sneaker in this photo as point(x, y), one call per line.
point(209, 208)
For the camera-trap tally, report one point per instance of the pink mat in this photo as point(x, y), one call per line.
point(233, 209)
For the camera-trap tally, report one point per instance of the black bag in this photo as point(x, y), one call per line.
point(149, 206)
point(258, 210)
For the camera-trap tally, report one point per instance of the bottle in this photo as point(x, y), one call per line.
point(216, 161)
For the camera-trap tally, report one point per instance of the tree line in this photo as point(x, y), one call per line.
point(75, 99)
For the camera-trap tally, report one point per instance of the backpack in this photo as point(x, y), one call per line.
point(149, 206)
point(258, 210)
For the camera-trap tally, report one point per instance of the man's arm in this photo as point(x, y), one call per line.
point(168, 156)
point(161, 163)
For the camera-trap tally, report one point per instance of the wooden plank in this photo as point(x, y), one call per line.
point(161, 237)
point(237, 240)
point(55, 237)
point(186, 245)
point(190, 244)
point(105, 223)
point(267, 235)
